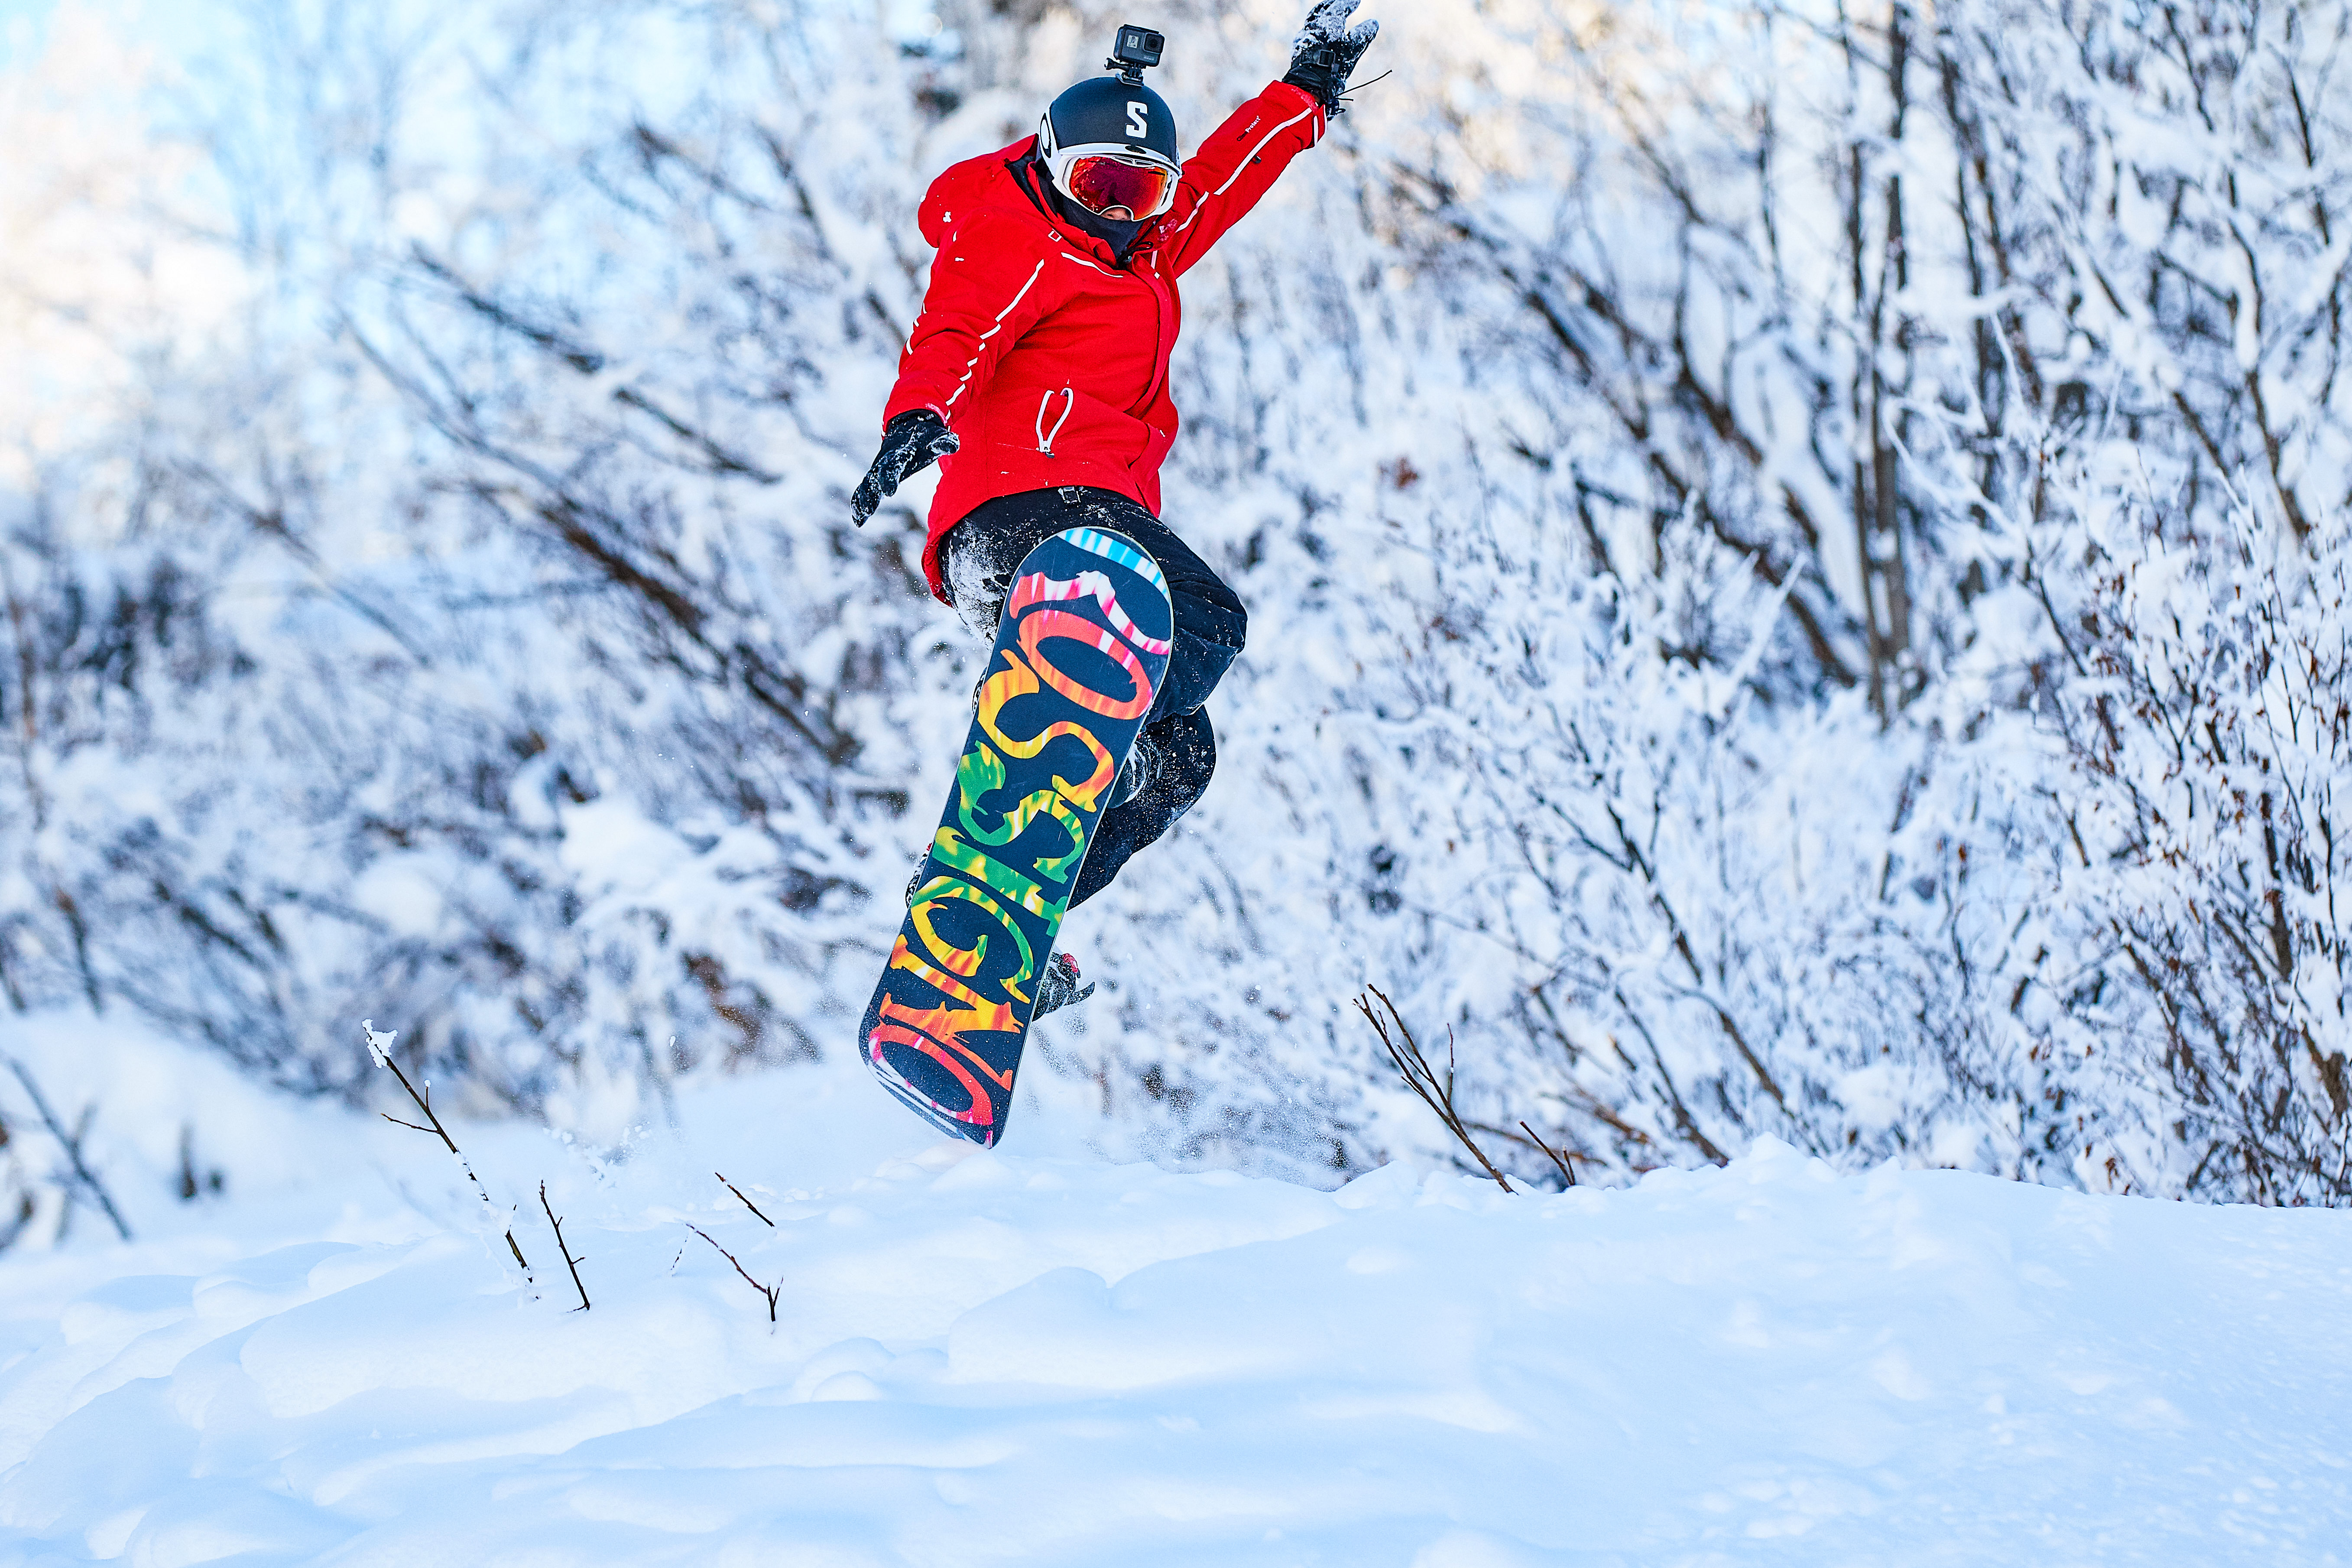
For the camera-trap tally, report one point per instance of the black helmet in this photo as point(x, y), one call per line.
point(1110, 147)
point(1108, 112)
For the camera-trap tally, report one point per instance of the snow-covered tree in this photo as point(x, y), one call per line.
point(1758, 523)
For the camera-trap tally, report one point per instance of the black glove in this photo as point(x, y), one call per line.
point(910, 443)
point(1325, 54)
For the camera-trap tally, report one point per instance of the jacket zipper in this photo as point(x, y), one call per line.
point(1044, 436)
point(1160, 347)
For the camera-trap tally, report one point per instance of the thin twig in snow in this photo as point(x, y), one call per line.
point(1421, 1079)
point(746, 1203)
point(770, 1291)
point(1556, 1157)
point(380, 1046)
point(71, 1145)
point(569, 1261)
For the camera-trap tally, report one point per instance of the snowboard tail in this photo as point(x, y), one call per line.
point(1080, 653)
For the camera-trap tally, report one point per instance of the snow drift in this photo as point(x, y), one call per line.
point(1038, 1358)
point(1711, 485)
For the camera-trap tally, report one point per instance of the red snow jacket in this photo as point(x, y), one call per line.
point(1047, 358)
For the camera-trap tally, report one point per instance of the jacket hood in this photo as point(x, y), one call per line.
point(962, 190)
point(990, 183)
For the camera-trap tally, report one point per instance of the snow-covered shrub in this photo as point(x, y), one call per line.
point(1653, 443)
point(2211, 742)
point(321, 710)
point(2170, 190)
point(2151, 207)
point(1699, 888)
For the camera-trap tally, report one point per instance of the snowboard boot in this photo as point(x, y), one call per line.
point(1059, 986)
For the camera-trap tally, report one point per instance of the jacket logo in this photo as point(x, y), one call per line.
point(1139, 114)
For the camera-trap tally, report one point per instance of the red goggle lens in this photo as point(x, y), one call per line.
point(1102, 184)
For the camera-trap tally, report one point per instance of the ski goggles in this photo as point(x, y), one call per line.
point(1114, 182)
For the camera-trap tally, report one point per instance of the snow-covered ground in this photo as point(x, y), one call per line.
point(1034, 1357)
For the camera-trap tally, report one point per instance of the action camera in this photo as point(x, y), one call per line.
point(1135, 50)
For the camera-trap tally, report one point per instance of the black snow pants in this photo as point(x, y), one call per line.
point(1177, 749)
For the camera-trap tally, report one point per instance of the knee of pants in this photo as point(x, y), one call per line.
point(1188, 755)
point(1189, 759)
point(1220, 619)
point(1206, 607)
point(1209, 638)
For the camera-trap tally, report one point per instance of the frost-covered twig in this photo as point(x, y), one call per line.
point(569, 1261)
point(746, 1203)
point(1421, 1079)
point(71, 1145)
point(380, 1047)
point(770, 1291)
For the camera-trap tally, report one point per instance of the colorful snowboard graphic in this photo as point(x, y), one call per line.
point(1079, 656)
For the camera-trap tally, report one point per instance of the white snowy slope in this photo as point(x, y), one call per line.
point(999, 1358)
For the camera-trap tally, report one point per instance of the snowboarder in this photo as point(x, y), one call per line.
point(1036, 375)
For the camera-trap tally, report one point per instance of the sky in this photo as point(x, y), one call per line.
point(25, 23)
point(20, 27)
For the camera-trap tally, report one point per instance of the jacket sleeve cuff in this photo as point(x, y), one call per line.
point(904, 403)
point(1306, 100)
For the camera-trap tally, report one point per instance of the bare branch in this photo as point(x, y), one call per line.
point(770, 1291)
point(746, 1203)
point(569, 1261)
point(1556, 1157)
point(380, 1047)
point(1421, 1079)
point(83, 1174)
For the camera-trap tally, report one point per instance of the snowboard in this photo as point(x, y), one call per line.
point(1080, 652)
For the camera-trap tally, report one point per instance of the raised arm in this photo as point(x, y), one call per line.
point(1237, 164)
point(1242, 158)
